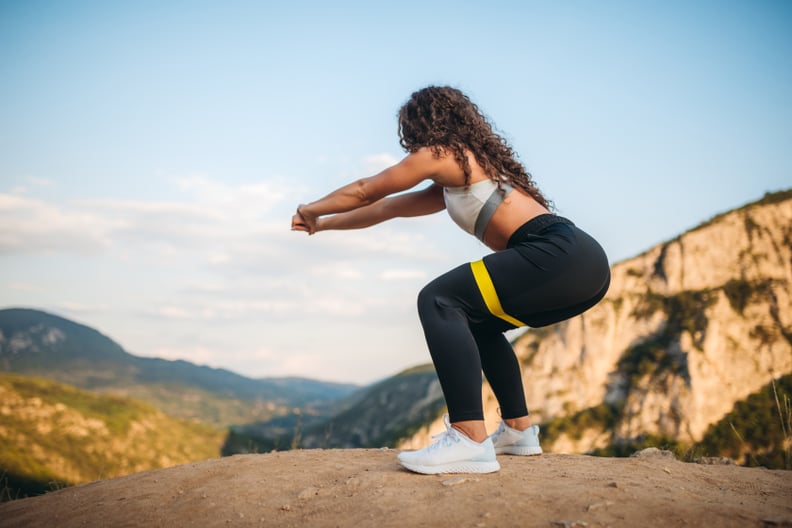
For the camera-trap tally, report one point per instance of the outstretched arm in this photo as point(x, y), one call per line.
point(418, 203)
point(366, 194)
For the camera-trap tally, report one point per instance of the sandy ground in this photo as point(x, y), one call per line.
point(366, 487)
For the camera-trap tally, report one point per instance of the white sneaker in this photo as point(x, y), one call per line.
point(453, 452)
point(508, 441)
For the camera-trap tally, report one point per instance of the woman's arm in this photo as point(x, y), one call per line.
point(418, 203)
point(412, 170)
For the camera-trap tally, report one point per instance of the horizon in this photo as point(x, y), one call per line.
point(373, 381)
point(153, 155)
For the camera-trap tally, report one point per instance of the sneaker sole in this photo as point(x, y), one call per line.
point(518, 450)
point(466, 466)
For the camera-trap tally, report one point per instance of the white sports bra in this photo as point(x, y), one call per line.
point(472, 207)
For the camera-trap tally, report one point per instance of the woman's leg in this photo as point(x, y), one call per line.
point(503, 372)
point(446, 307)
point(464, 338)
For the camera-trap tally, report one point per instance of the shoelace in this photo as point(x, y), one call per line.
point(446, 438)
point(499, 432)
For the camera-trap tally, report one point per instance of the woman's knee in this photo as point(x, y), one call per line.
point(446, 293)
point(428, 299)
point(436, 301)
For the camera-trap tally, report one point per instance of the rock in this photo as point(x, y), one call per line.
point(594, 506)
point(570, 524)
point(654, 453)
point(459, 480)
point(307, 493)
point(715, 461)
point(777, 523)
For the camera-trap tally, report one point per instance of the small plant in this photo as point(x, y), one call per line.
point(295, 443)
point(6, 493)
point(757, 430)
point(785, 418)
point(743, 444)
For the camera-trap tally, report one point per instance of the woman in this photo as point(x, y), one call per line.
point(543, 269)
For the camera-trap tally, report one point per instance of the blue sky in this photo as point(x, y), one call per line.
point(152, 153)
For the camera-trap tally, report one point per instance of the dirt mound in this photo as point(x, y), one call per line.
point(366, 487)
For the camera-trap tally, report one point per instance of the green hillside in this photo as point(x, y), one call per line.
point(53, 435)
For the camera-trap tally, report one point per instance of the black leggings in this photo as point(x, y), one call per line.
point(550, 271)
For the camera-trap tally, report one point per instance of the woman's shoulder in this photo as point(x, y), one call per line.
point(438, 164)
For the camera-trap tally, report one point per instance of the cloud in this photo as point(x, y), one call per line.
point(178, 224)
point(24, 287)
point(228, 228)
point(213, 310)
point(339, 271)
point(39, 182)
point(214, 272)
point(29, 226)
point(207, 213)
point(246, 200)
point(402, 274)
point(383, 240)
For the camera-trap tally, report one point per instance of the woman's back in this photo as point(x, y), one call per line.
point(516, 208)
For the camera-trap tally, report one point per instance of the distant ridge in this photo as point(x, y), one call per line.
point(41, 344)
point(380, 415)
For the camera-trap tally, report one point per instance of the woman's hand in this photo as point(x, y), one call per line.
point(304, 221)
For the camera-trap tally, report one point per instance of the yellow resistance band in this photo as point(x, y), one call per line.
point(487, 289)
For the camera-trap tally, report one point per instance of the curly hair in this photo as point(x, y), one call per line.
point(443, 118)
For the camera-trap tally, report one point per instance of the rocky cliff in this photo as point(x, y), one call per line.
point(687, 329)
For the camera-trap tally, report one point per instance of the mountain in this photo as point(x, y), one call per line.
point(375, 416)
point(40, 344)
point(53, 435)
point(688, 329)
